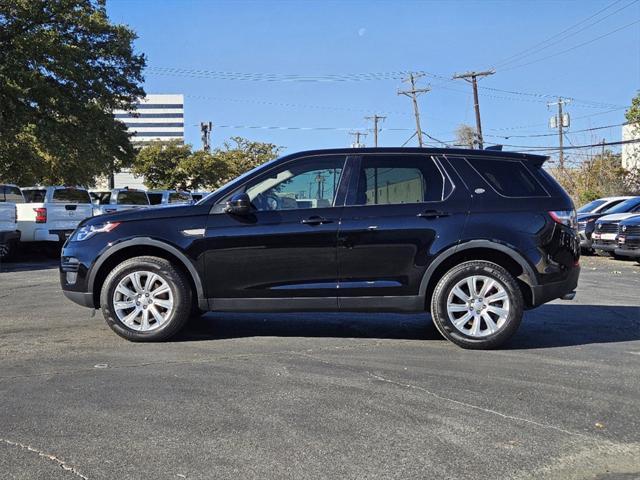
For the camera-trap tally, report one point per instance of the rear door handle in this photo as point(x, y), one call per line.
point(316, 221)
point(433, 214)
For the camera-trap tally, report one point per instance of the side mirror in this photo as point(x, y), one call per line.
point(239, 204)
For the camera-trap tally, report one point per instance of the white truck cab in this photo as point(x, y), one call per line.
point(118, 200)
point(10, 197)
point(51, 214)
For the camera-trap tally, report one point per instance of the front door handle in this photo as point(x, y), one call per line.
point(315, 220)
point(433, 214)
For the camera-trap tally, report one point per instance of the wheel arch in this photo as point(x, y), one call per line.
point(143, 247)
point(498, 253)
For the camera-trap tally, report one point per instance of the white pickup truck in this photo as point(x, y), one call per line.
point(10, 196)
point(118, 199)
point(51, 214)
point(169, 197)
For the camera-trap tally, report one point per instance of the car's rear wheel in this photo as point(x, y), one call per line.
point(477, 305)
point(146, 299)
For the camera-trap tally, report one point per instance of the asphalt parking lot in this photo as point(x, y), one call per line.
point(357, 396)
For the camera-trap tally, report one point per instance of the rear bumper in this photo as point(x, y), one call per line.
point(84, 299)
point(550, 291)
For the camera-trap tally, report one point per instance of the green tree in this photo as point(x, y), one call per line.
point(163, 165)
point(633, 113)
point(205, 170)
point(63, 69)
point(241, 155)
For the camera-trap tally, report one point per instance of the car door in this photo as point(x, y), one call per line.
point(400, 211)
point(282, 255)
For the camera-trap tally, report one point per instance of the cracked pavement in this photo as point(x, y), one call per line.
point(358, 396)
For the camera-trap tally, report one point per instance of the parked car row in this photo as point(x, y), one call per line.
point(611, 226)
point(50, 214)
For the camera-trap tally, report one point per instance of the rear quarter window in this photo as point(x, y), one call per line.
point(71, 195)
point(510, 178)
point(10, 194)
point(179, 197)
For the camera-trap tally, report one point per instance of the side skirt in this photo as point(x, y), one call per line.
point(406, 304)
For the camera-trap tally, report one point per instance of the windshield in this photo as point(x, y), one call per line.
point(130, 197)
point(591, 206)
point(625, 206)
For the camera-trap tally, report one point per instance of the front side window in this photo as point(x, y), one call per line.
point(155, 198)
point(301, 184)
point(397, 179)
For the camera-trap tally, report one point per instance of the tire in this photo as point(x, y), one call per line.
point(483, 335)
point(170, 287)
point(8, 251)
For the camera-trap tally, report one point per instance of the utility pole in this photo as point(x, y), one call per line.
point(205, 131)
point(472, 77)
point(358, 134)
point(560, 121)
point(413, 95)
point(376, 118)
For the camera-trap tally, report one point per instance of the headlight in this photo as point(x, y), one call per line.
point(88, 231)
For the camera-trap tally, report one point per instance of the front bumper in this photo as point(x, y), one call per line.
point(628, 246)
point(550, 291)
point(605, 245)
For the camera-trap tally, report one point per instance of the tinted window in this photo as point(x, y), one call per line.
point(155, 198)
point(10, 194)
point(34, 195)
point(179, 197)
point(306, 183)
point(591, 206)
point(387, 179)
point(510, 178)
point(624, 207)
point(132, 198)
point(100, 198)
point(71, 195)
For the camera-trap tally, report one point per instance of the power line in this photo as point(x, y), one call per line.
point(533, 148)
point(575, 46)
point(564, 37)
point(555, 134)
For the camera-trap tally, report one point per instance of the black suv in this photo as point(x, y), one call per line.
point(628, 239)
point(473, 236)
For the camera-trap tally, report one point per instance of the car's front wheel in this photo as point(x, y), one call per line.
point(146, 299)
point(477, 305)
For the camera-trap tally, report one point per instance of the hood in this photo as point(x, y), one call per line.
point(635, 220)
point(616, 217)
point(169, 211)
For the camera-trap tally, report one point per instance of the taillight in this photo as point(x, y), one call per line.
point(565, 217)
point(41, 215)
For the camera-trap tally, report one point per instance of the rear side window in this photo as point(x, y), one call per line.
point(155, 198)
point(509, 178)
point(34, 195)
point(71, 195)
point(398, 179)
point(100, 198)
point(132, 198)
point(10, 194)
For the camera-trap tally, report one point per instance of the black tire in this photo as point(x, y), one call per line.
point(180, 290)
point(8, 251)
point(448, 282)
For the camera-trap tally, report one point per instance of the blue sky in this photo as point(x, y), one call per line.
point(330, 41)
